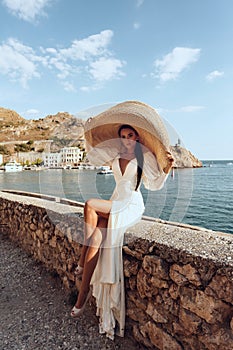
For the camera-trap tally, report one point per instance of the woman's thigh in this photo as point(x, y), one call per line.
point(101, 206)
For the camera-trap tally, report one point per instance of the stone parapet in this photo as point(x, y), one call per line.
point(178, 278)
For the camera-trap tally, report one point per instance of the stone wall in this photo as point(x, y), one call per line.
point(179, 278)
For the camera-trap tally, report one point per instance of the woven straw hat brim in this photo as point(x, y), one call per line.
point(145, 120)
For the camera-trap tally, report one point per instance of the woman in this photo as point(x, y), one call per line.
point(106, 221)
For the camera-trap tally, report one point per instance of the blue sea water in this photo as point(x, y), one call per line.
point(200, 196)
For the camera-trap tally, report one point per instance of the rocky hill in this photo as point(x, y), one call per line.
point(184, 158)
point(56, 131)
point(7, 117)
point(62, 128)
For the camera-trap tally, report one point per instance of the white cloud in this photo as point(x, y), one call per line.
point(81, 56)
point(68, 86)
point(50, 50)
point(136, 25)
point(32, 111)
point(89, 58)
point(94, 45)
point(139, 3)
point(190, 109)
point(27, 10)
point(90, 88)
point(106, 69)
point(19, 62)
point(213, 75)
point(172, 64)
point(85, 88)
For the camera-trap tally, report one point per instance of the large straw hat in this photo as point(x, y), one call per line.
point(149, 125)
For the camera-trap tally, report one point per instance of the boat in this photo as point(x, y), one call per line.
point(67, 167)
point(105, 170)
point(13, 166)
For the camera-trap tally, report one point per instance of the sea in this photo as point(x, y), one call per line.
point(201, 197)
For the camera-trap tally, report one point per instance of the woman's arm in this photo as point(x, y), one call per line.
point(101, 155)
point(153, 178)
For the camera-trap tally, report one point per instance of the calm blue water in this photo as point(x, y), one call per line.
point(202, 196)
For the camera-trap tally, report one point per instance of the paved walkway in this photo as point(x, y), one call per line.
point(35, 307)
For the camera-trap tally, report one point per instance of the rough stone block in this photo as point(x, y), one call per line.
point(133, 283)
point(158, 337)
point(183, 275)
point(222, 339)
point(53, 242)
point(190, 321)
point(135, 314)
point(40, 234)
point(155, 266)
point(140, 303)
point(133, 253)
point(174, 291)
point(204, 306)
point(140, 245)
point(140, 338)
point(221, 287)
point(158, 283)
point(69, 235)
point(144, 285)
point(130, 267)
point(33, 227)
point(155, 314)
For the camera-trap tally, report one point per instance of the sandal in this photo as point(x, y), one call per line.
point(75, 312)
point(78, 271)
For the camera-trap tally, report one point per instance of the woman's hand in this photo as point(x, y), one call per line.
point(170, 163)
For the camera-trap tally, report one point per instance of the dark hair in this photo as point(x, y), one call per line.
point(138, 153)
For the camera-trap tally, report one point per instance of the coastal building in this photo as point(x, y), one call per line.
point(29, 157)
point(52, 160)
point(71, 155)
point(67, 156)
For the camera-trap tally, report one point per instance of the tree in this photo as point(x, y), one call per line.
point(38, 162)
point(4, 150)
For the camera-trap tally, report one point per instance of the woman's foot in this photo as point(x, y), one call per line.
point(78, 271)
point(77, 311)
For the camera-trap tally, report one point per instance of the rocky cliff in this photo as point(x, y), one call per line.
point(184, 158)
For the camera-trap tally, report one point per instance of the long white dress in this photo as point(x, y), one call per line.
point(127, 209)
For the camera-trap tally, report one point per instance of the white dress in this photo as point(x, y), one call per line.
point(127, 209)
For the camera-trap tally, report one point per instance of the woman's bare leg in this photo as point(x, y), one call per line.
point(95, 232)
point(91, 208)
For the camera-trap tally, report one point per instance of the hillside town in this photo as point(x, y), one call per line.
point(56, 141)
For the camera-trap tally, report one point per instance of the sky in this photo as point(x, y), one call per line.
point(74, 55)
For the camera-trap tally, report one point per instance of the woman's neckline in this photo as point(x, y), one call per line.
point(126, 167)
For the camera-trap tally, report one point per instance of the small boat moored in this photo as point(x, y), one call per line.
point(13, 166)
point(105, 170)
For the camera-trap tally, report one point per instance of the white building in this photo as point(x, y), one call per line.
point(1, 159)
point(52, 159)
point(29, 156)
point(71, 155)
point(67, 156)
